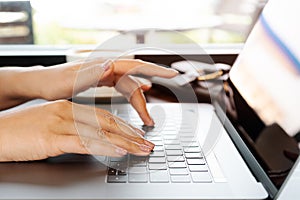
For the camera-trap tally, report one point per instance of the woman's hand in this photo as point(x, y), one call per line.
point(82, 75)
point(58, 127)
point(120, 74)
point(62, 81)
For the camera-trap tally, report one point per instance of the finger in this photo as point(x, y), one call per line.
point(131, 146)
point(130, 89)
point(144, 84)
point(134, 67)
point(84, 130)
point(128, 132)
point(119, 120)
point(84, 145)
point(76, 118)
point(69, 127)
point(141, 132)
point(101, 119)
point(137, 131)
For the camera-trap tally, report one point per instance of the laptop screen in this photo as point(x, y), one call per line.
point(265, 82)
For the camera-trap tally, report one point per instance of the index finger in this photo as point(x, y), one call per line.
point(136, 67)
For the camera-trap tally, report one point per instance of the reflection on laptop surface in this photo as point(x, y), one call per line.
point(250, 159)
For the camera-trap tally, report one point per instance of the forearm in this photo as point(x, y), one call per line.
point(17, 85)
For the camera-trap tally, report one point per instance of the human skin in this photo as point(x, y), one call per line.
point(52, 128)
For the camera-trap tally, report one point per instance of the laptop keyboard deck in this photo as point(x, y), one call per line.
point(176, 158)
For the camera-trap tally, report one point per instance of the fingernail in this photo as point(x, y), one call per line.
point(145, 148)
point(121, 151)
point(148, 143)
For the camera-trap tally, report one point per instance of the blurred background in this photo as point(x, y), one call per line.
point(65, 22)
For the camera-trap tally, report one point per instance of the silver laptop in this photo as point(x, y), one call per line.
point(202, 152)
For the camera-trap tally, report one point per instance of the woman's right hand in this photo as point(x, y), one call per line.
point(59, 127)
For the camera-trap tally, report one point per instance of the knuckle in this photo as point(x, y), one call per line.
point(112, 122)
point(106, 135)
point(85, 143)
point(133, 147)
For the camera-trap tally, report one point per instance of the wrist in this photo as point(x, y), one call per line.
point(27, 83)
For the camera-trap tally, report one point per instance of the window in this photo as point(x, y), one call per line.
point(64, 22)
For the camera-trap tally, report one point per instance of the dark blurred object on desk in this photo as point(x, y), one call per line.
point(16, 22)
point(198, 82)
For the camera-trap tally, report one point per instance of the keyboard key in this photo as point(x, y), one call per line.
point(170, 128)
point(119, 159)
point(198, 168)
point(196, 161)
point(159, 176)
point(190, 144)
point(188, 139)
point(167, 132)
point(158, 148)
point(157, 154)
point(157, 166)
point(157, 160)
point(158, 143)
point(116, 179)
point(192, 150)
point(177, 164)
point(173, 147)
point(154, 138)
point(175, 158)
point(138, 160)
point(119, 165)
point(174, 152)
point(111, 171)
point(193, 155)
point(134, 170)
point(135, 163)
point(180, 179)
point(178, 171)
point(171, 142)
point(170, 137)
point(187, 131)
point(170, 123)
point(152, 133)
point(188, 135)
point(137, 123)
point(138, 178)
point(121, 172)
point(201, 177)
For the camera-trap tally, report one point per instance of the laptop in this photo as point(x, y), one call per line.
point(203, 151)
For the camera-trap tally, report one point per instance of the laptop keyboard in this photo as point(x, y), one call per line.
point(176, 158)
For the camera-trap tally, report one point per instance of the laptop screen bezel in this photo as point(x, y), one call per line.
point(243, 149)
